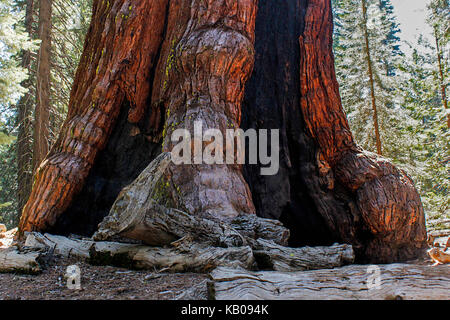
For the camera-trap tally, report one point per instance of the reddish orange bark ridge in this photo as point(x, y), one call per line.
point(386, 197)
point(118, 57)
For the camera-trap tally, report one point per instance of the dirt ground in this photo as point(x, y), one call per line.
point(97, 283)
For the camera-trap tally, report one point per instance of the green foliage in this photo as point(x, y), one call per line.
point(70, 21)
point(422, 96)
point(353, 75)
point(412, 117)
point(8, 186)
point(12, 40)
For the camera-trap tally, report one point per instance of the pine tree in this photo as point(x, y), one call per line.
point(24, 146)
point(367, 54)
point(421, 96)
point(424, 95)
point(43, 84)
point(439, 15)
point(12, 40)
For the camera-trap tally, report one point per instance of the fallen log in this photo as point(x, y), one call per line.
point(440, 233)
point(11, 260)
point(183, 256)
point(270, 256)
point(397, 281)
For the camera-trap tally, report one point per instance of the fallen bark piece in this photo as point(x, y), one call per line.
point(438, 256)
point(7, 238)
point(440, 233)
point(182, 257)
point(196, 292)
point(270, 256)
point(11, 260)
point(397, 281)
point(255, 227)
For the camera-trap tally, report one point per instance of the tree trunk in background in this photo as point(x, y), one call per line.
point(442, 83)
point(42, 112)
point(24, 114)
point(198, 60)
point(371, 79)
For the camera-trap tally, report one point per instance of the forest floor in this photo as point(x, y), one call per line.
point(108, 283)
point(97, 283)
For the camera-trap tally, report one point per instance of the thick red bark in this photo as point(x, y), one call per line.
point(387, 201)
point(206, 59)
point(122, 43)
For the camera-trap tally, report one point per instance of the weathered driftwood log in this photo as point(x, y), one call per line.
point(254, 227)
point(397, 281)
point(188, 255)
point(12, 260)
point(183, 256)
point(270, 256)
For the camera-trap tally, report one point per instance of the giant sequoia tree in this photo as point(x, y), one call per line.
point(150, 67)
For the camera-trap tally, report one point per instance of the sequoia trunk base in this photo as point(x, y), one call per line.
point(226, 65)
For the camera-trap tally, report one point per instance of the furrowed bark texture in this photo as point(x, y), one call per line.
point(206, 59)
point(389, 206)
point(99, 151)
point(114, 74)
point(272, 101)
